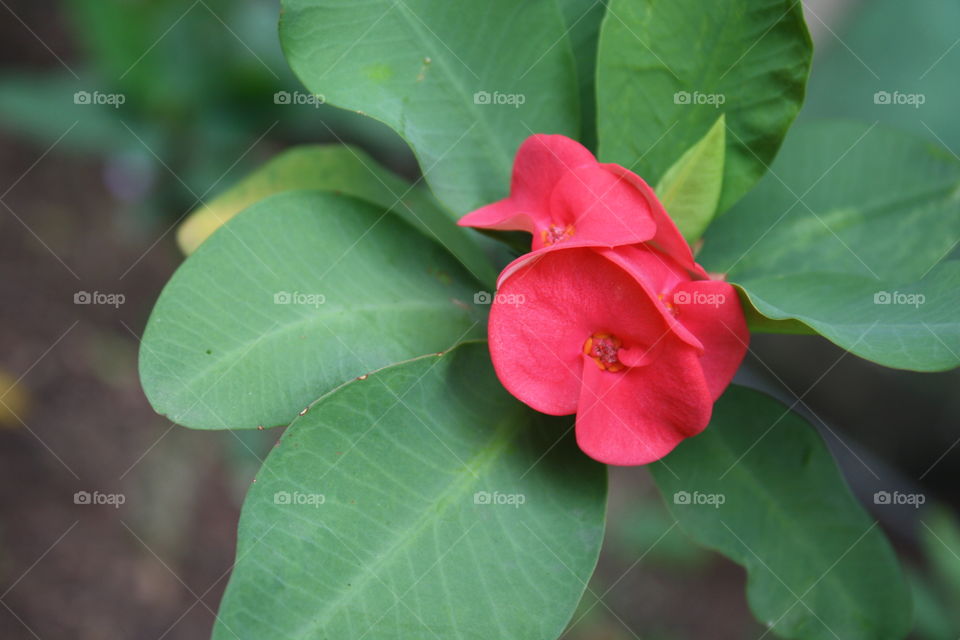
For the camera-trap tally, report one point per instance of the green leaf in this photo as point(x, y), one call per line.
point(858, 62)
point(368, 519)
point(931, 615)
point(760, 487)
point(47, 108)
point(666, 70)
point(300, 292)
point(434, 71)
point(759, 323)
point(940, 535)
point(848, 234)
point(690, 189)
point(346, 170)
point(583, 18)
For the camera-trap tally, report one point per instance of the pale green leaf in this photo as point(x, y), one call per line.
point(292, 297)
point(342, 169)
point(420, 502)
point(690, 189)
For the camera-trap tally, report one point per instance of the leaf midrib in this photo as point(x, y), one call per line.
point(500, 154)
point(775, 508)
point(505, 433)
point(880, 208)
point(229, 357)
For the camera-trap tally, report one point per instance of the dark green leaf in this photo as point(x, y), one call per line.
point(463, 83)
point(909, 83)
point(583, 19)
point(666, 70)
point(940, 534)
point(848, 234)
point(760, 487)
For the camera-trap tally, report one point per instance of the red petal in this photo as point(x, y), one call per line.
point(711, 311)
point(603, 208)
point(545, 311)
point(659, 275)
point(668, 238)
point(640, 414)
point(503, 215)
point(542, 160)
point(540, 163)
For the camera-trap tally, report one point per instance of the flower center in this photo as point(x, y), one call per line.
point(603, 348)
point(555, 233)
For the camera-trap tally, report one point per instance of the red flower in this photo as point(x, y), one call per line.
point(608, 316)
point(564, 197)
point(622, 337)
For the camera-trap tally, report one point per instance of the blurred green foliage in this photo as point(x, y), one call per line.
point(198, 109)
point(888, 46)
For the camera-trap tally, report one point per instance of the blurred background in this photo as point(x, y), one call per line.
point(118, 117)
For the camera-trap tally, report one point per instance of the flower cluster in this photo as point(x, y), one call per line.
point(619, 324)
